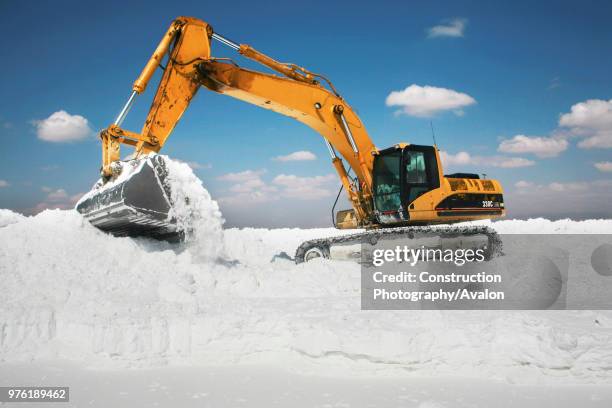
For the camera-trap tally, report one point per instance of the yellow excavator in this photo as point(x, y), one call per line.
point(393, 191)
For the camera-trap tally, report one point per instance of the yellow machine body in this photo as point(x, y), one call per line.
point(311, 99)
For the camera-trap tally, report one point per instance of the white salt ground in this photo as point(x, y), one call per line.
point(264, 386)
point(69, 292)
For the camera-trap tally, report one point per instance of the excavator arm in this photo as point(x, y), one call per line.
point(298, 94)
point(186, 43)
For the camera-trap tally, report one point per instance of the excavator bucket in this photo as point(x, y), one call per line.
point(137, 203)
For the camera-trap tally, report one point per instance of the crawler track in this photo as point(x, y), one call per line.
point(322, 245)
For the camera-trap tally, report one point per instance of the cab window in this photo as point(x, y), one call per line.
point(420, 171)
point(387, 182)
point(416, 172)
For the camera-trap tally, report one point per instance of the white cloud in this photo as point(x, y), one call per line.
point(565, 186)
point(591, 113)
point(56, 198)
point(247, 198)
point(605, 166)
point(571, 186)
point(251, 185)
point(592, 121)
point(200, 166)
point(589, 121)
point(62, 127)
point(302, 155)
point(602, 140)
point(561, 199)
point(249, 188)
point(507, 162)
point(56, 195)
point(461, 158)
point(242, 175)
point(523, 184)
point(464, 159)
point(304, 188)
point(425, 101)
point(540, 146)
point(449, 28)
point(4, 183)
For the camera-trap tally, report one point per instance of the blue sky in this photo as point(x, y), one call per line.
point(491, 71)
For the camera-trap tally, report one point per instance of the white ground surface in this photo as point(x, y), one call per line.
point(265, 386)
point(219, 322)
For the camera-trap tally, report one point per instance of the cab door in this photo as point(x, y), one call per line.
point(387, 184)
point(420, 174)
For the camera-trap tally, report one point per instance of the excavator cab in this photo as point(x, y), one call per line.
point(409, 188)
point(402, 174)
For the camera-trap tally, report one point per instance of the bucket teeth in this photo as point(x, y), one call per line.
point(137, 206)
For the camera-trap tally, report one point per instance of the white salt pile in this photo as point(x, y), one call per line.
point(69, 291)
point(195, 211)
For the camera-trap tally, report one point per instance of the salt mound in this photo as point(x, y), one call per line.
point(196, 213)
point(8, 217)
point(70, 291)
